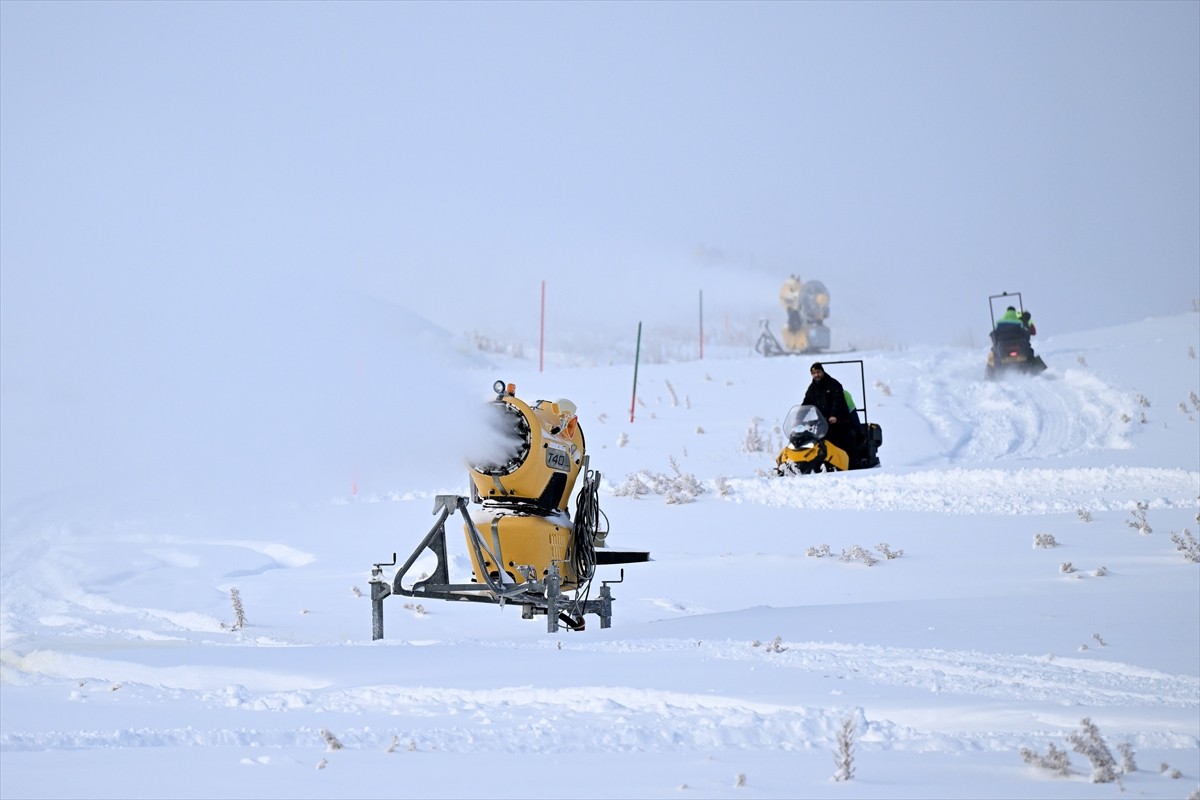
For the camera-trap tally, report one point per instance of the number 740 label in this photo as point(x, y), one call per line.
point(557, 459)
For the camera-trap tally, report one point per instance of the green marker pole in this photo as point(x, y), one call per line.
point(636, 355)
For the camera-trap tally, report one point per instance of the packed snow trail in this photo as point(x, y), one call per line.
point(976, 491)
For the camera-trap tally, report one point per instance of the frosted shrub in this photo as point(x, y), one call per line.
point(1044, 540)
point(819, 552)
point(684, 494)
point(882, 547)
point(755, 441)
point(239, 613)
point(858, 553)
point(1138, 523)
point(1055, 760)
point(1187, 544)
point(723, 487)
point(633, 486)
point(1174, 774)
point(1128, 765)
point(843, 757)
point(1066, 567)
point(331, 741)
point(1090, 743)
point(883, 388)
point(1084, 514)
point(776, 646)
point(682, 487)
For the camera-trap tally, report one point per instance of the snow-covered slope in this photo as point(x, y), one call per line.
point(757, 629)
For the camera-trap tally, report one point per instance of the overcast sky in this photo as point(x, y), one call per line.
point(915, 156)
point(183, 183)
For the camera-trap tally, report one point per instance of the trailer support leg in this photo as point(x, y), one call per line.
point(379, 590)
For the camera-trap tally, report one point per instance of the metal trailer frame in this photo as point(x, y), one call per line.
point(992, 304)
point(862, 379)
point(534, 596)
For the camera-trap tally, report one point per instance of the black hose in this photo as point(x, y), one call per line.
point(588, 518)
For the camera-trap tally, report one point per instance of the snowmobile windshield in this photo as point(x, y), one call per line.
point(805, 420)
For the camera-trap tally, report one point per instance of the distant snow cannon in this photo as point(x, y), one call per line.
point(807, 307)
point(524, 546)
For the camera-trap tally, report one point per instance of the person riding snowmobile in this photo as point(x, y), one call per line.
point(828, 395)
point(1010, 328)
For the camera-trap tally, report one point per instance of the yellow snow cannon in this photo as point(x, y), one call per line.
point(807, 307)
point(524, 486)
point(525, 548)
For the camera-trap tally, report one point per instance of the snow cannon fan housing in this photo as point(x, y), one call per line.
point(524, 486)
point(814, 301)
point(539, 455)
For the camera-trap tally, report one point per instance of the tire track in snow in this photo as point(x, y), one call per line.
point(1022, 416)
point(624, 719)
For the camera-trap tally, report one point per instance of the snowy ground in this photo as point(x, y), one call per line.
point(735, 655)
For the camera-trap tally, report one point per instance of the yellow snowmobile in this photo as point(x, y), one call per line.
point(807, 450)
point(524, 546)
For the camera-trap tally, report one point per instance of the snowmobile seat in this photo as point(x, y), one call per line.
point(1008, 333)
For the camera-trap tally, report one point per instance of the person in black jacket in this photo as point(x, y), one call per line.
point(827, 394)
